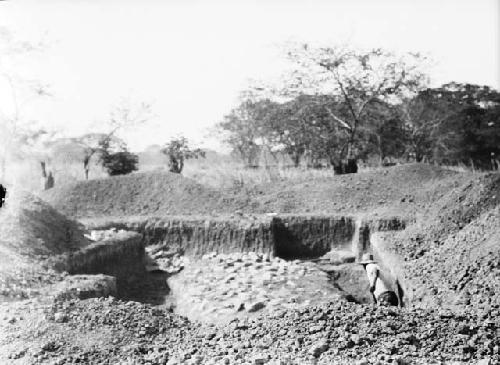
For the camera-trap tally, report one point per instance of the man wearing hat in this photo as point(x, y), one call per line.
point(380, 285)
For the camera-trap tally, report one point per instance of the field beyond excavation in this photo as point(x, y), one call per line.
point(399, 190)
point(436, 230)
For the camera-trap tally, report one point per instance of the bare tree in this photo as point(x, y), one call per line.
point(36, 143)
point(124, 115)
point(14, 127)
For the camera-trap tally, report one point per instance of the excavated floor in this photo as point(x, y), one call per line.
point(218, 288)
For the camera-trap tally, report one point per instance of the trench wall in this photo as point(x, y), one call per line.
point(196, 236)
point(311, 236)
point(120, 257)
point(101, 257)
point(365, 228)
point(286, 236)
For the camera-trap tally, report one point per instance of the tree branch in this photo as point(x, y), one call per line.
point(346, 96)
point(342, 123)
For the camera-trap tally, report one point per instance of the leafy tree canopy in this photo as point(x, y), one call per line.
point(177, 151)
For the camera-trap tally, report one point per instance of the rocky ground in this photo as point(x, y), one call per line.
point(110, 331)
point(219, 288)
point(452, 255)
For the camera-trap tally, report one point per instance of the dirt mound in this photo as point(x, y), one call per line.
point(459, 206)
point(396, 190)
point(452, 254)
point(31, 231)
point(31, 227)
point(154, 193)
point(468, 264)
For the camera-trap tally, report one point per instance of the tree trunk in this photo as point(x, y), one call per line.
point(338, 168)
point(181, 164)
point(45, 179)
point(380, 152)
point(296, 159)
point(50, 181)
point(175, 165)
point(86, 167)
point(44, 171)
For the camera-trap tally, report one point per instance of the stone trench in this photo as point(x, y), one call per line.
point(218, 269)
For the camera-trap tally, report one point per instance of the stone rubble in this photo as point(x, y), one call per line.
point(219, 287)
point(161, 258)
point(335, 332)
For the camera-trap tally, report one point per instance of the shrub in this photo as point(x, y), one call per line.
point(120, 163)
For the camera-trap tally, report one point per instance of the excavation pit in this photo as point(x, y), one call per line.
point(214, 270)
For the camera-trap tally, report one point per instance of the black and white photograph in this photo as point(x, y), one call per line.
point(254, 182)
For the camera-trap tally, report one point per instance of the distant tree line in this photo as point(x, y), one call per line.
point(340, 105)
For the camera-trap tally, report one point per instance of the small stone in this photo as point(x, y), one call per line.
point(49, 346)
point(210, 335)
point(259, 360)
point(60, 317)
point(316, 328)
point(239, 306)
point(318, 348)
point(254, 307)
point(18, 354)
point(362, 362)
point(196, 360)
point(484, 362)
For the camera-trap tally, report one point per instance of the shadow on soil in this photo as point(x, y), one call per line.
point(145, 287)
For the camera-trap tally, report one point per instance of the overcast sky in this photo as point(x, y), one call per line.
point(191, 58)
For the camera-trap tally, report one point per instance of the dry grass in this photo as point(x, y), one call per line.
point(229, 176)
point(216, 173)
point(27, 175)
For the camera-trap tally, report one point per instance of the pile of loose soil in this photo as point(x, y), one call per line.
point(32, 228)
point(452, 254)
point(108, 331)
point(32, 231)
point(153, 193)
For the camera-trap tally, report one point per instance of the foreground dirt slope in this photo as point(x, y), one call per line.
point(32, 228)
point(400, 190)
point(32, 231)
point(453, 253)
point(108, 331)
